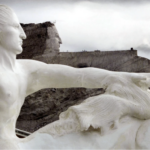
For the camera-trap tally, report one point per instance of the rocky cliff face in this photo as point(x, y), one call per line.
point(44, 106)
point(126, 60)
point(35, 44)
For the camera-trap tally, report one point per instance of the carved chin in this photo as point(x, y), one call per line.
point(57, 46)
point(19, 51)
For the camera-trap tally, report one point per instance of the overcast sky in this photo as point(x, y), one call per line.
point(92, 24)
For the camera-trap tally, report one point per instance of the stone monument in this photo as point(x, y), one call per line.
point(117, 119)
point(43, 38)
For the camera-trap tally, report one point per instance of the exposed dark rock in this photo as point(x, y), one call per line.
point(82, 65)
point(44, 106)
point(35, 44)
point(111, 60)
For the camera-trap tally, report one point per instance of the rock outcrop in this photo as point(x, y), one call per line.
point(126, 60)
point(35, 44)
point(44, 106)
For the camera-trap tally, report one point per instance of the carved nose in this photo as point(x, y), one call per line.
point(60, 41)
point(22, 34)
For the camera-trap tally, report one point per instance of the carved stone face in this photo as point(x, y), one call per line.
point(53, 42)
point(11, 35)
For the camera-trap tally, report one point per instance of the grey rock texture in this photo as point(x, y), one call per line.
point(126, 60)
point(35, 44)
point(44, 106)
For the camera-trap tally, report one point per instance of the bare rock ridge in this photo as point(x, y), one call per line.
point(44, 106)
point(126, 60)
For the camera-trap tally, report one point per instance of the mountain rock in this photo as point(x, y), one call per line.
point(44, 106)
